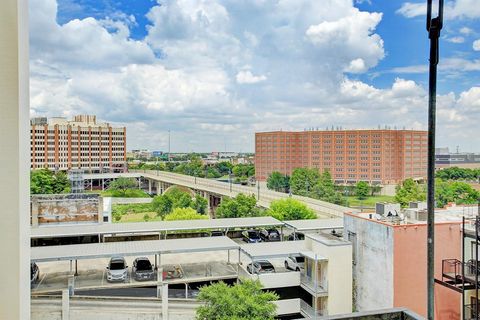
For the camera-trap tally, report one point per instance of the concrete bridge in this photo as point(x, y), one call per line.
point(159, 181)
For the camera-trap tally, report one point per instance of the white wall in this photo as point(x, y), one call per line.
point(14, 161)
point(288, 306)
point(373, 271)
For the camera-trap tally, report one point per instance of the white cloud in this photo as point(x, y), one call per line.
point(466, 31)
point(189, 73)
point(476, 45)
point(452, 10)
point(246, 77)
point(455, 39)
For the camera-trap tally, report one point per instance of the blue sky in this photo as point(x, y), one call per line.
point(217, 71)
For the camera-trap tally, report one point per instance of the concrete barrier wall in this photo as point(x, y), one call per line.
point(130, 200)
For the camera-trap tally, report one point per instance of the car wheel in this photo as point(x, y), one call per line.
point(286, 265)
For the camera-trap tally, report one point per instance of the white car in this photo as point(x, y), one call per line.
point(117, 270)
point(295, 263)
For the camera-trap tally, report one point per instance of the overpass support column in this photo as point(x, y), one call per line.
point(159, 190)
point(149, 186)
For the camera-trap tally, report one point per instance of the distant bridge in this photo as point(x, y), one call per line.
point(159, 181)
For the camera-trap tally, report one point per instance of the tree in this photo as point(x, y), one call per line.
point(240, 206)
point(303, 180)
point(409, 191)
point(243, 301)
point(184, 214)
point(146, 217)
point(121, 185)
point(458, 192)
point(325, 190)
point(290, 209)
point(162, 204)
point(362, 189)
point(44, 181)
point(200, 204)
point(224, 167)
point(278, 182)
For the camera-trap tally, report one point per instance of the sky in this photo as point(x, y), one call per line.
point(215, 72)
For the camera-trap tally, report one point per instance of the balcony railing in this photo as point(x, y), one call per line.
point(309, 312)
point(314, 285)
point(456, 270)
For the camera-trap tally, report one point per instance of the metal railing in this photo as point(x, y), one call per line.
point(308, 311)
point(314, 285)
point(469, 312)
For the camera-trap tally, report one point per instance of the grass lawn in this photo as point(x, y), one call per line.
point(138, 217)
point(369, 201)
point(130, 193)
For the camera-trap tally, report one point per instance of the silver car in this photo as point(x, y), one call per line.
point(117, 270)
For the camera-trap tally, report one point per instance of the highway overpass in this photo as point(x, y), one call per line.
point(159, 181)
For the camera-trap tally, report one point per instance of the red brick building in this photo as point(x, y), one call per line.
point(376, 156)
point(82, 143)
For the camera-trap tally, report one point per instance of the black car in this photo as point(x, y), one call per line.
point(143, 270)
point(296, 236)
point(34, 272)
point(251, 236)
point(217, 233)
point(260, 266)
point(270, 235)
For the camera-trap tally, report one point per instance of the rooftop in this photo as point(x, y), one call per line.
point(130, 248)
point(150, 227)
point(265, 250)
point(315, 224)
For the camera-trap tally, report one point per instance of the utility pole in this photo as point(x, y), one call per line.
point(434, 25)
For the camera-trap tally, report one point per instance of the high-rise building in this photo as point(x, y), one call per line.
point(82, 143)
point(376, 156)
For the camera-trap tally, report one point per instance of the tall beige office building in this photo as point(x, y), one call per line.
point(376, 156)
point(82, 143)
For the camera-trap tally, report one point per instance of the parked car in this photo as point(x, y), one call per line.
point(270, 235)
point(34, 272)
point(296, 263)
point(143, 270)
point(251, 236)
point(117, 270)
point(217, 233)
point(260, 266)
point(296, 236)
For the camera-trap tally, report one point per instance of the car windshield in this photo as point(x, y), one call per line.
point(117, 265)
point(144, 265)
point(266, 265)
point(252, 234)
point(300, 259)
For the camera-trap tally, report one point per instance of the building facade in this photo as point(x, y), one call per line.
point(376, 156)
point(390, 263)
point(82, 143)
point(445, 159)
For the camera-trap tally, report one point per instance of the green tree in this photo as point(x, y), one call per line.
point(224, 167)
point(362, 189)
point(162, 204)
point(200, 204)
point(303, 180)
point(45, 181)
point(146, 217)
point(456, 191)
point(290, 209)
point(278, 182)
point(121, 185)
point(325, 190)
point(409, 191)
point(243, 301)
point(240, 206)
point(184, 214)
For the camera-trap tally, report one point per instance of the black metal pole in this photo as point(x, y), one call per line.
point(433, 27)
point(463, 267)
